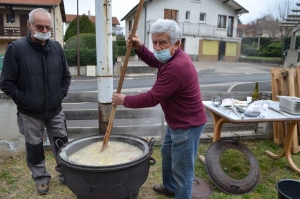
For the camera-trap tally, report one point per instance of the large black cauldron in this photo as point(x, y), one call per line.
point(120, 181)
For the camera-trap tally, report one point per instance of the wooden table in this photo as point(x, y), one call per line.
point(221, 116)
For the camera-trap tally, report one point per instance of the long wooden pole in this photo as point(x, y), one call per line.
point(113, 111)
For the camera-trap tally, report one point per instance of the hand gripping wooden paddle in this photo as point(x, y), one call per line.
point(113, 111)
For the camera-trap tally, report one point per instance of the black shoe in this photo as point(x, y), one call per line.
point(161, 190)
point(42, 188)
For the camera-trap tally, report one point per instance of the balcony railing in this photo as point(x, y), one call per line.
point(13, 31)
point(200, 29)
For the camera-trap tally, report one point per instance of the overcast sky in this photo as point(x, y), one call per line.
point(120, 8)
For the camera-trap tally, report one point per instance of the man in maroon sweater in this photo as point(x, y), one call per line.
point(177, 91)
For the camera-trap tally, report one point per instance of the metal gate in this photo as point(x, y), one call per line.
point(222, 48)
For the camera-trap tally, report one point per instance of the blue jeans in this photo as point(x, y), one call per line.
point(179, 150)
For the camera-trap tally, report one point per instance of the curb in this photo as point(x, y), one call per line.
point(115, 77)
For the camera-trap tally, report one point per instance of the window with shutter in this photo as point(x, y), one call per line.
point(170, 14)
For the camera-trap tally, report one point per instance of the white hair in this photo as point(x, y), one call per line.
point(40, 10)
point(167, 26)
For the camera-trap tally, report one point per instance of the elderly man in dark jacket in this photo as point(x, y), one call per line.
point(36, 76)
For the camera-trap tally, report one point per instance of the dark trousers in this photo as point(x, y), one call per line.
point(33, 130)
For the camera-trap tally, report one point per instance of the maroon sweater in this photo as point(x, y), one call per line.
point(176, 89)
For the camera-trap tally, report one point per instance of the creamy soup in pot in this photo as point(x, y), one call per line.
point(114, 153)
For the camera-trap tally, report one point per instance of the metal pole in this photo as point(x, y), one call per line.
point(78, 54)
point(103, 13)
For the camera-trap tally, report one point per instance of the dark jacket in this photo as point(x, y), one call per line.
point(35, 76)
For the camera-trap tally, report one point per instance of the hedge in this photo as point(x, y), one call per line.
point(287, 43)
point(123, 49)
point(272, 50)
point(121, 42)
point(269, 47)
point(88, 54)
point(264, 41)
point(85, 41)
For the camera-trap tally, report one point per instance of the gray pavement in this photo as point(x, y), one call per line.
point(232, 67)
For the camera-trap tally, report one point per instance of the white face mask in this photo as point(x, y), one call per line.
point(163, 55)
point(42, 36)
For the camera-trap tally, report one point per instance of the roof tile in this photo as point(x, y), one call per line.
point(70, 18)
point(31, 2)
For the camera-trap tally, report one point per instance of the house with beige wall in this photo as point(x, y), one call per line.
point(14, 17)
point(209, 27)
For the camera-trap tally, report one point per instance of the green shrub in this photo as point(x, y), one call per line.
point(244, 48)
point(269, 47)
point(86, 41)
point(87, 52)
point(249, 40)
point(251, 51)
point(121, 42)
point(87, 56)
point(85, 26)
point(272, 50)
point(123, 49)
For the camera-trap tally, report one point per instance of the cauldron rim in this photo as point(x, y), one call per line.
point(64, 159)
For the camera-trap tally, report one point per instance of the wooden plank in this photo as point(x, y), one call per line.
point(284, 83)
point(296, 136)
point(275, 83)
point(297, 91)
point(297, 83)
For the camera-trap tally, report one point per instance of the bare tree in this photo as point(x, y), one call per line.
point(280, 10)
point(269, 26)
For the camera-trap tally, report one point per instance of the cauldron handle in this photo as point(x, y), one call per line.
point(152, 161)
point(151, 142)
point(58, 144)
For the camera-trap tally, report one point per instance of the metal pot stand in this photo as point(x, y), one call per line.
point(220, 178)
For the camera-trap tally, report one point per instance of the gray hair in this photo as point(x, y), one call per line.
point(167, 26)
point(40, 10)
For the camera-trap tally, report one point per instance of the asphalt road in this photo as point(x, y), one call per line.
point(213, 76)
point(208, 82)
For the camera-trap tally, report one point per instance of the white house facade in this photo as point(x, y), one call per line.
point(209, 27)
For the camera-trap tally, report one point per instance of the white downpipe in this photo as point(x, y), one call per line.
point(103, 13)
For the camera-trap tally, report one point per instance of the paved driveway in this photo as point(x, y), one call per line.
point(233, 67)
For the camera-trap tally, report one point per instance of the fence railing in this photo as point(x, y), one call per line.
point(13, 31)
point(200, 29)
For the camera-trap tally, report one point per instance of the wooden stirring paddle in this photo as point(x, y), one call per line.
point(113, 111)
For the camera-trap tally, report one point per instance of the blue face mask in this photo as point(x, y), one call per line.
point(163, 55)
